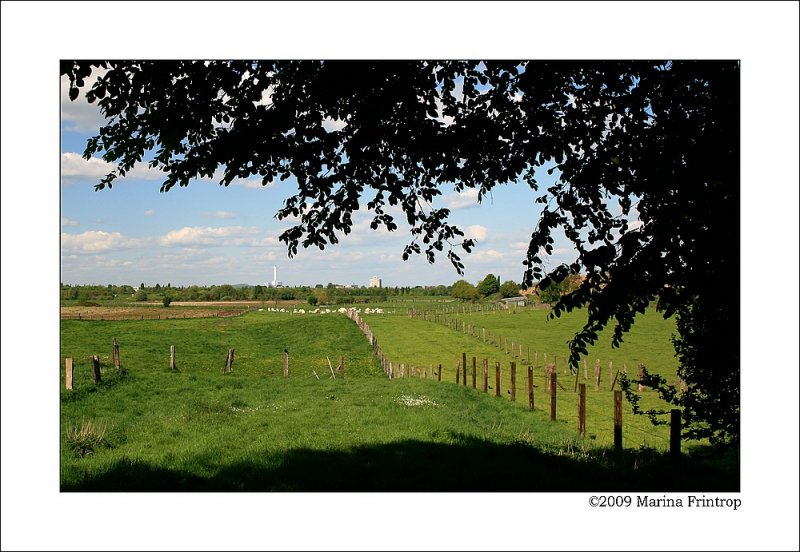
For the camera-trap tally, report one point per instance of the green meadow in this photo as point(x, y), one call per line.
point(147, 428)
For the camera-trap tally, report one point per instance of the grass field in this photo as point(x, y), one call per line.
point(435, 343)
point(198, 429)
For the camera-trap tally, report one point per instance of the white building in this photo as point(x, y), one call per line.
point(375, 282)
point(275, 283)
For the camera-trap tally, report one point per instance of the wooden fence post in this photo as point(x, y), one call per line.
point(597, 375)
point(582, 409)
point(464, 367)
point(68, 373)
point(585, 369)
point(391, 370)
point(440, 372)
point(614, 381)
point(485, 375)
point(675, 435)
point(172, 357)
point(513, 382)
point(458, 373)
point(496, 379)
point(553, 386)
point(618, 421)
point(116, 354)
point(95, 369)
point(474, 372)
point(641, 376)
point(285, 363)
point(229, 362)
point(340, 368)
point(530, 387)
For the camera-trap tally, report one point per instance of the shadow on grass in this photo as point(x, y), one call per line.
point(470, 465)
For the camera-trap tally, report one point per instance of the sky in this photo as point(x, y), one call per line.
point(39, 206)
point(207, 234)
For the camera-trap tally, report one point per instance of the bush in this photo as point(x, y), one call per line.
point(166, 301)
point(312, 300)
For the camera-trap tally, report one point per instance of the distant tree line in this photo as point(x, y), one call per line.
point(328, 294)
point(491, 288)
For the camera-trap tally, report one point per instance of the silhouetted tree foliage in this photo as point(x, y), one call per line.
point(656, 141)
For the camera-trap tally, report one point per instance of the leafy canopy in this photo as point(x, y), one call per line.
point(650, 141)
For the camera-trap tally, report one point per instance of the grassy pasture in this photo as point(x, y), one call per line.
point(200, 430)
point(422, 343)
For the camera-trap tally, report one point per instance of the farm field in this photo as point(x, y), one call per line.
point(150, 428)
point(436, 343)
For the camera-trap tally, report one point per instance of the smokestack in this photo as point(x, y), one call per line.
point(274, 273)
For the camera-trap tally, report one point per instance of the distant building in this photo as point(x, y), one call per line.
point(275, 283)
point(375, 282)
point(512, 302)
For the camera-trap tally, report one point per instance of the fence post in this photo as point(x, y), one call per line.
point(68, 373)
point(116, 354)
point(496, 379)
point(340, 368)
point(285, 363)
point(618, 421)
point(553, 386)
point(464, 367)
point(582, 409)
point(440, 372)
point(675, 435)
point(513, 382)
point(229, 362)
point(458, 373)
point(641, 376)
point(474, 372)
point(95, 369)
point(530, 387)
point(172, 357)
point(485, 375)
point(585, 369)
point(597, 375)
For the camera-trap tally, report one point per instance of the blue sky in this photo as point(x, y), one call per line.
point(207, 234)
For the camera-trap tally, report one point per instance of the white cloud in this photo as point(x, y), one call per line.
point(80, 115)
point(149, 213)
point(75, 167)
point(253, 183)
point(490, 255)
point(332, 125)
point(476, 231)
point(68, 222)
point(226, 235)
point(95, 241)
point(462, 200)
point(219, 214)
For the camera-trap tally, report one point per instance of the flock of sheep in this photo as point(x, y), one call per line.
point(325, 310)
